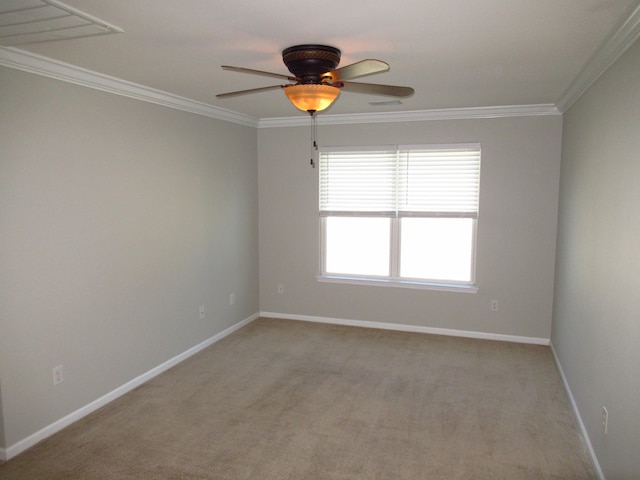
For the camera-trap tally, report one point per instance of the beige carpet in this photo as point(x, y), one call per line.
point(294, 400)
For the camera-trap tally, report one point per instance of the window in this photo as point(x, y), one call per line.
point(401, 215)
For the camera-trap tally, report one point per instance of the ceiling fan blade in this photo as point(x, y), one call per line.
point(359, 69)
point(259, 72)
point(376, 89)
point(251, 90)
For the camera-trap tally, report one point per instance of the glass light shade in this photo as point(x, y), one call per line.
point(312, 97)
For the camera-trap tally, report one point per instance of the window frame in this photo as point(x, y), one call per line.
point(395, 218)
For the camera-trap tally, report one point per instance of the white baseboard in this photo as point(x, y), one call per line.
point(410, 328)
point(31, 440)
point(576, 414)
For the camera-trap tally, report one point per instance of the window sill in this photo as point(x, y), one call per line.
point(443, 287)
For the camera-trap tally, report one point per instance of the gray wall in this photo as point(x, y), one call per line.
point(516, 230)
point(596, 327)
point(118, 219)
point(2, 438)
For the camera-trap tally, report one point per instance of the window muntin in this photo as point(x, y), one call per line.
point(424, 201)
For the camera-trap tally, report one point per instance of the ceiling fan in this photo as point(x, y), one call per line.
point(317, 81)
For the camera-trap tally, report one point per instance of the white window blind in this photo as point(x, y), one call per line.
point(358, 181)
point(433, 181)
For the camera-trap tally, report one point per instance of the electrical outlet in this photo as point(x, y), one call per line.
point(280, 288)
point(605, 420)
point(202, 312)
point(494, 305)
point(58, 375)
point(232, 299)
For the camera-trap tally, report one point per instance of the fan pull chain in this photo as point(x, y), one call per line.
point(314, 134)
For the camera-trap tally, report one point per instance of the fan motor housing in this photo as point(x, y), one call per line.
point(310, 62)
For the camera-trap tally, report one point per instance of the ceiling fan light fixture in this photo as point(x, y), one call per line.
point(312, 97)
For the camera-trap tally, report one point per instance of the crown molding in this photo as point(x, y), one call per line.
point(616, 43)
point(415, 116)
point(33, 63)
point(30, 62)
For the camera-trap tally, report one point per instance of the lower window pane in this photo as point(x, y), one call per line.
point(436, 248)
point(357, 245)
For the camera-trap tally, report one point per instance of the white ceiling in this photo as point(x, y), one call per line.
point(454, 53)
